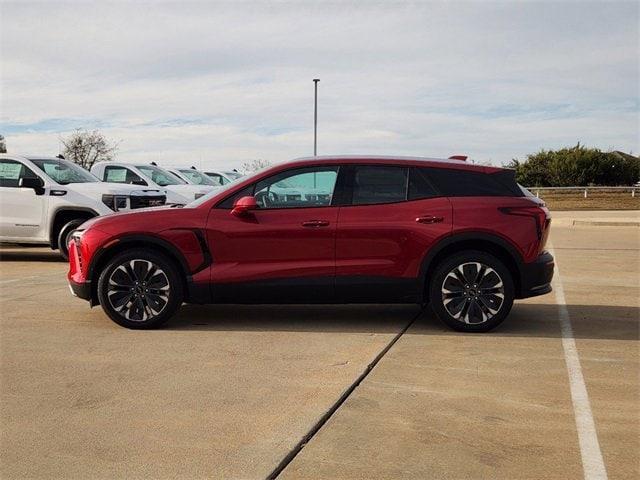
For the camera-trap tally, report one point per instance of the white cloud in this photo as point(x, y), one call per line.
point(222, 83)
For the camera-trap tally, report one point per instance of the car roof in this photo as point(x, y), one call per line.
point(128, 164)
point(27, 157)
point(392, 160)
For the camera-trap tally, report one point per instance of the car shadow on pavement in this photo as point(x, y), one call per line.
point(25, 255)
point(526, 320)
point(598, 322)
point(295, 318)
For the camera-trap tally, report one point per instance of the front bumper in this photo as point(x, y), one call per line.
point(535, 277)
point(79, 285)
point(80, 290)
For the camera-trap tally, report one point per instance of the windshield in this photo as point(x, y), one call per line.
point(196, 177)
point(284, 184)
point(233, 175)
point(227, 186)
point(63, 171)
point(214, 191)
point(160, 176)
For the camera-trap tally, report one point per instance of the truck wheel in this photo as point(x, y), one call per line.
point(472, 291)
point(140, 289)
point(64, 236)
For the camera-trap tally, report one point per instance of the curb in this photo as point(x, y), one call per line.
point(595, 223)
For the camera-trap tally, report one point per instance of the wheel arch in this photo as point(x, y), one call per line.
point(485, 242)
point(61, 216)
point(148, 242)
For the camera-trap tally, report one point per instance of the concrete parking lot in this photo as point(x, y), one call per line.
point(258, 391)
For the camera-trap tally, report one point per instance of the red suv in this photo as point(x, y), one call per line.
point(465, 238)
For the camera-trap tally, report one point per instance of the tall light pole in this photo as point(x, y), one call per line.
point(315, 117)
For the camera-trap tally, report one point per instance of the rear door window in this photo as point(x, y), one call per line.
point(419, 185)
point(379, 184)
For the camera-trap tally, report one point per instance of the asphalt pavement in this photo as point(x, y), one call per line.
point(328, 391)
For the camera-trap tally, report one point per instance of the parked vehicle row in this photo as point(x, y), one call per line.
point(178, 190)
point(43, 200)
point(223, 177)
point(465, 238)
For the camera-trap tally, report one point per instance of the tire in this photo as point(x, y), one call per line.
point(146, 304)
point(466, 304)
point(65, 235)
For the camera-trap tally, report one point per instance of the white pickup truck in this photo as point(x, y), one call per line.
point(178, 191)
point(43, 200)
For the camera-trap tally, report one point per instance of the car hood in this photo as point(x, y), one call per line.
point(189, 189)
point(103, 188)
point(148, 220)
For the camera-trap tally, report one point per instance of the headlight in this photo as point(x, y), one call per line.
point(109, 201)
point(114, 202)
point(77, 235)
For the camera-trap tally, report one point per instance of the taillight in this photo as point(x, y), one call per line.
point(539, 214)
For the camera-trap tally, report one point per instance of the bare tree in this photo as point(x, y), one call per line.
point(3, 145)
point(86, 148)
point(255, 165)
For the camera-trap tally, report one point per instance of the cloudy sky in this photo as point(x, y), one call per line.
point(217, 84)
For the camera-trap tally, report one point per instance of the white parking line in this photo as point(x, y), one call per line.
point(2, 282)
point(592, 462)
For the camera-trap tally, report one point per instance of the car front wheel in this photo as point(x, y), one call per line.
point(140, 289)
point(472, 291)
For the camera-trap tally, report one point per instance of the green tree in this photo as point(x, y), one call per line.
point(576, 166)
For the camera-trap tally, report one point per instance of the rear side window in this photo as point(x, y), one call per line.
point(464, 183)
point(378, 184)
point(419, 185)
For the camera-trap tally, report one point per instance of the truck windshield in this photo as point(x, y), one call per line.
point(160, 176)
point(196, 177)
point(233, 175)
point(63, 171)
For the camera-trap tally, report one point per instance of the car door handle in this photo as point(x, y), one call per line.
point(315, 223)
point(429, 219)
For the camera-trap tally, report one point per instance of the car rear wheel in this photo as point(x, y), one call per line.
point(472, 291)
point(140, 289)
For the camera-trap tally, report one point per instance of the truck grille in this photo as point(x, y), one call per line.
point(139, 201)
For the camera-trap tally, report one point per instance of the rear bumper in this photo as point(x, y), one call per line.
point(535, 277)
point(80, 290)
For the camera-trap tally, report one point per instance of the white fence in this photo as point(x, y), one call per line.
point(585, 190)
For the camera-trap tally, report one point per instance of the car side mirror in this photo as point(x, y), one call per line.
point(244, 205)
point(36, 183)
point(139, 182)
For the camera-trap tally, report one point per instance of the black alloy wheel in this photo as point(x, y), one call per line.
point(140, 289)
point(472, 291)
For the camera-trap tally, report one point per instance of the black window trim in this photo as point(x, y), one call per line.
point(343, 190)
